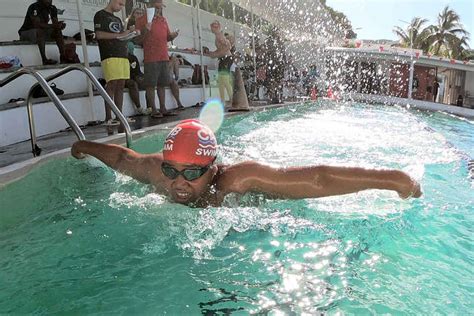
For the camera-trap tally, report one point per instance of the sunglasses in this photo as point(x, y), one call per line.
point(189, 174)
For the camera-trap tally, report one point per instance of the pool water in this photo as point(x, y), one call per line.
point(78, 238)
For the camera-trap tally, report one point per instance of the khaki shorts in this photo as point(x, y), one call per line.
point(157, 74)
point(116, 69)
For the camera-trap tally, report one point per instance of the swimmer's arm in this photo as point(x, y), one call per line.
point(124, 160)
point(317, 181)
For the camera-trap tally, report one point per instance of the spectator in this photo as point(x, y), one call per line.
point(224, 55)
point(134, 16)
point(435, 89)
point(136, 81)
point(113, 54)
point(175, 61)
point(275, 58)
point(156, 36)
point(37, 29)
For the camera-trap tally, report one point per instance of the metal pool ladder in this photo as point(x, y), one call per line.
point(43, 82)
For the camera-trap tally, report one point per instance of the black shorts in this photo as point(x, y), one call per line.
point(157, 74)
point(225, 63)
point(32, 35)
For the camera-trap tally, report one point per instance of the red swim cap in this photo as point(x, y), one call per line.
point(190, 142)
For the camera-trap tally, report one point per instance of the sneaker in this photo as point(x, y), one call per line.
point(56, 89)
point(148, 111)
point(140, 111)
point(111, 123)
point(130, 120)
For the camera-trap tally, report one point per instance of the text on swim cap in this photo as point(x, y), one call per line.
point(206, 152)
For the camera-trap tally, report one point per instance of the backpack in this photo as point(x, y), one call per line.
point(70, 55)
point(38, 91)
point(90, 35)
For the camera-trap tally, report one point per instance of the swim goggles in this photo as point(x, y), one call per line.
point(189, 174)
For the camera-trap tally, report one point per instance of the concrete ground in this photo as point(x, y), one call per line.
point(53, 142)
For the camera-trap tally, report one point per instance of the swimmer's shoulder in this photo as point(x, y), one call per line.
point(231, 178)
point(151, 164)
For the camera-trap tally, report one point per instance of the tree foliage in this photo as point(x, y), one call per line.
point(446, 38)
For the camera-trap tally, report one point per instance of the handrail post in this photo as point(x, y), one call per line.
point(110, 103)
point(59, 106)
point(102, 92)
point(43, 83)
point(31, 124)
point(54, 98)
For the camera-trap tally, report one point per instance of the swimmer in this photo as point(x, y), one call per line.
point(186, 171)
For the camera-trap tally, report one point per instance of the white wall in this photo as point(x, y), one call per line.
point(12, 13)
point(469, 86)
point(14, 122)
point(74, 81)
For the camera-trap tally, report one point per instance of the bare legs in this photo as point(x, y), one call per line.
point(133, 90)
point(175, 92)
point(114, 89)
point(41, 41)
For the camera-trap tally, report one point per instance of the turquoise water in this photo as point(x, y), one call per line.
point(78, 238)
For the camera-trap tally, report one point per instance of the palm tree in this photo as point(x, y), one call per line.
point(415, 35)
point(448, 36)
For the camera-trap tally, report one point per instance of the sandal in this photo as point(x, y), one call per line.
point(156, 115)
point(111, 123)
point(169, 114)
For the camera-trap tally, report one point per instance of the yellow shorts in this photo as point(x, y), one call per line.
point(116, 69)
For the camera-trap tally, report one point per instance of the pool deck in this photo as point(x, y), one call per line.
point(54, 142)
point(17, 159)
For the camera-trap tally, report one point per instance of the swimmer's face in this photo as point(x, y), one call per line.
point(184, 191)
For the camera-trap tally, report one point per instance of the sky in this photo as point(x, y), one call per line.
point(376, 18)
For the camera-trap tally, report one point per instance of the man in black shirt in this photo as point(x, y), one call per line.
point(113, 53)
point(37, 29)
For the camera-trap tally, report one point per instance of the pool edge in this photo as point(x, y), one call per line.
point(17, 171)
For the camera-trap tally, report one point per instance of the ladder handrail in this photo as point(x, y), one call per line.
point(100, 89)
point(54, 98)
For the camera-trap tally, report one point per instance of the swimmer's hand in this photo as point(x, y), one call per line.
point(76, 152)
point(409, 188)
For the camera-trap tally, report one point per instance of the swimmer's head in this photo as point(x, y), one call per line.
point(190, 142)
point(188, 167)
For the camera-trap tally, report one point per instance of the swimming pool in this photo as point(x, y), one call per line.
point(78, 238)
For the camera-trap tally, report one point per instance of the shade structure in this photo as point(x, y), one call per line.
point(299, 20)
